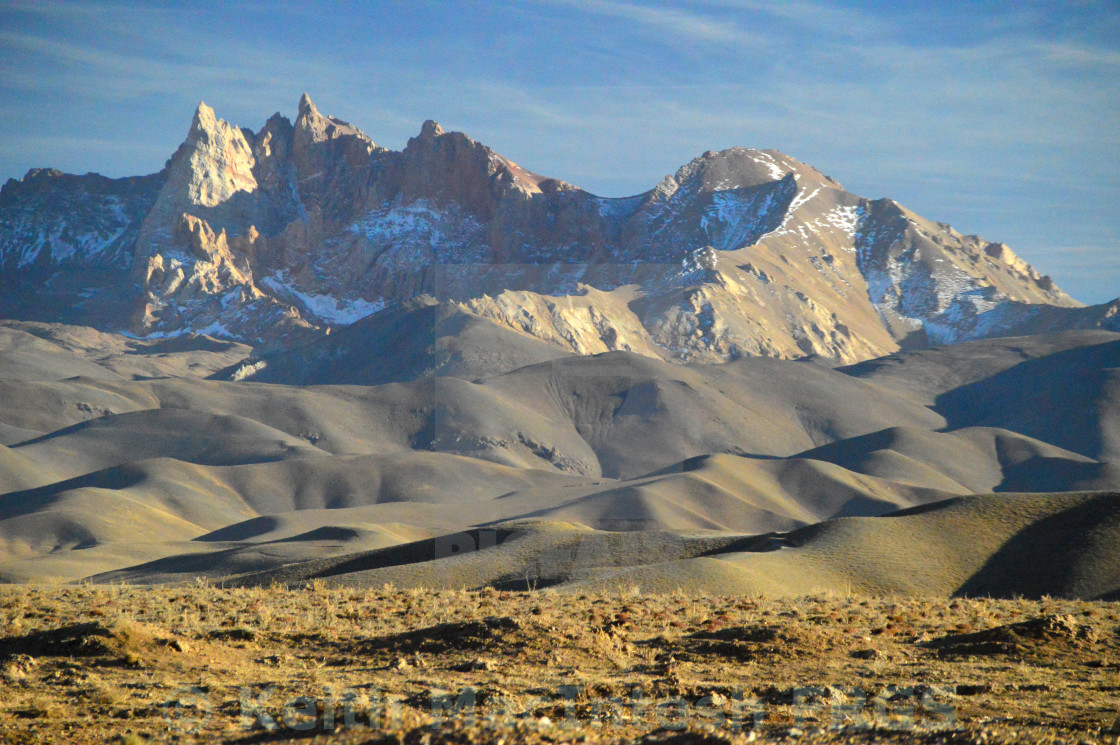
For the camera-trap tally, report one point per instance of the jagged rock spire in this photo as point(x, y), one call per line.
point(204, 121)
point(306, 106)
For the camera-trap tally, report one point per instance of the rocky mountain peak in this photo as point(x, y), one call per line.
point(315, 127)
point(204, 119)
point(305, 105)
point(449, 167)
point(36, 180)
point(331, 160)
point(431, 129)
point(210, 175)
point(272, 151)
point(35, 174)
point(742, 168)
point(274, 139)
point(215, 162)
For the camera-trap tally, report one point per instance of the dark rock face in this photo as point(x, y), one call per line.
point(274, 236)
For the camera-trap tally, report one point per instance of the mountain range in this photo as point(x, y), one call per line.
point(294, 355)
point(278, 237)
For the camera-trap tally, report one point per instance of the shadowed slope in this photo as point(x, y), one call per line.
point(971, 460)
point(188, 355)
point(989, 545)
point(929, 373)
point(1070, 399)
point(191, 500)
point(17, 472)
point(49, 406)
point(1082, 549)
point(640, 414)
point(27, 357)
point(206, 439)
point(220, 560)
point(969, 545)
point(725, 493)
point(401, 344)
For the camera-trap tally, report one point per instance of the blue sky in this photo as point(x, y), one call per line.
point(1000, 118)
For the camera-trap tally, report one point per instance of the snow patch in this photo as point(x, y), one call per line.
point(845, 218)
point(215, 329)
point(156, 334)
point(333, 310)
point(736, 219)
point(768, 161)
point(416, 219)
point(614, 208)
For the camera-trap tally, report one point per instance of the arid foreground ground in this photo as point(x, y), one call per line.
point(200, 664)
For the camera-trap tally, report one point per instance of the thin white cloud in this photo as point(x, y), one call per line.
point(1078, 56)
point(673, 22)
point(819, 17)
